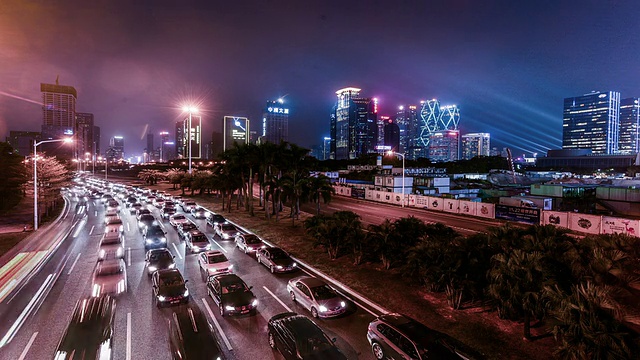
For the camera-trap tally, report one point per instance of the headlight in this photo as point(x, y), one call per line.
point(279, 267)
point(254, 302)
point(322, 308)
point(342, 304)
point(149, 241)
point(208, 247)
point(120, 286)
point(101, 255)
point(163, 239)
point(153, 268)
point(263, 247)
point(96, 290)
point(294, 265)
point(231, 266)
point(226, 236)
point(186, 292)
point(171, 266)
point(229, 308)
point(140, 225)
point(120, 252)
point(161, 298)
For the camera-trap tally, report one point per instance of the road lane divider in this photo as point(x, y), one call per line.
point(79, 228)
point(128, 256)
point(128, 227)
point(177, 251)
point(215, 322)
point(217, 243)
point(91, 231)
point(95, 213)
point(74, 264)
point(128, 350)
point(278, 299)
point(26, 348)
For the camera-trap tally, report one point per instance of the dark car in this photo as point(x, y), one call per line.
point(169, 288)
point(398, 336)
point(196, 241)
point(146, 220)
point(276, 259)
point(154, 237)
point(141, 212)
point(167, 211)
point(90, 331)
point(231, 294)
point(133, 208)
point(191, 338)
point(215, 219)
point(159, 259)
point(297, 337)
point(183, 229)
point(249, 243)
point(198, 212)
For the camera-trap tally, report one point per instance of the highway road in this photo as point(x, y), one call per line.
point(141, 329)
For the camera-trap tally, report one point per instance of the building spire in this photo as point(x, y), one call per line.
point(57, 79)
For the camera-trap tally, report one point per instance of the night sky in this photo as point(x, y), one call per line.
point(506, 64)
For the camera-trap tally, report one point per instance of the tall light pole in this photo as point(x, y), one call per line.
point(191, 110)
point(402, 156)
point(35, 175)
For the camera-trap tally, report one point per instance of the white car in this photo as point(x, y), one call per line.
point(226, 231)
point(177, 219)
point(111, 212)
point(213, 262)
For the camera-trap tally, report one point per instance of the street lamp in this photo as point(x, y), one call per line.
point(35, 176)
point(191, 110)
point(390, 152)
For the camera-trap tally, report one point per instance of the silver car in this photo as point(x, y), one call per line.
point(316, 296)
point(111, 247)
point(109, 277)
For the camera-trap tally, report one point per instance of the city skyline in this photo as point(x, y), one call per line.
point(507, 66)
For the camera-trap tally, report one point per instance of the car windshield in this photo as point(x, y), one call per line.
point(315, 344)
point(234, 288)
point(156, 230)
point(228, 227)
point(159, 256)
point(147, 217)
point(199, 239)
point(252, 239)
point(171, 280)
point(113, 220)
point(278, 254)
point(179, 217)
point(188, 226)
point(216, 258)
point(105, 269)
point(323, 292)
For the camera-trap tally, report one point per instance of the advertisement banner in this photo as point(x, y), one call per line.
point(452, 205)
point(589, 224)
point(612, 225)
point(342, 190)
point(357, 193)
point(519, 214)
point(555, 218)
point(435, 203)
point(486, 210)
point(468, 207)
point(421, 201)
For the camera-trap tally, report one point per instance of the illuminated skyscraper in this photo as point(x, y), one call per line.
point(392, 136)
point(84, 134)
point(354, 130)
point(275, 122)
point(476, 144)
point(116, 148)
point(149, 150)
point(592, 121)
point(58, 118)
point(435, 118)
point(409, 125)
point(444, 146)
point(629, 142)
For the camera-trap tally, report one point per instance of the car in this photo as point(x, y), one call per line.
point(196, 241)
point(130, 201)
point(158, 202)
point(177, 219)
point(215, 219)
point(146, 220)
point(109, 277)
point(142, 211)
point(226, 231)
point(149, 199)
point(159, 259)
point(133, 208)
point(249, 243)
point(166, 212)
point(231, 294)
point(111, 246)
point(154, 237)
point(316, 296)
point(213, 262)
point(297, 337)
point(198, 212)
point(184, 228)
point(187, 205)
point(397, 336)
point(169, 203)
point(112, 223)
point(169, 287)
point(112, 203)
point(276, 259)
point(191, 338)
point(111, 212)
point(90, 331)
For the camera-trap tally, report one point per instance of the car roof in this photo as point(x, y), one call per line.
point(226, 279)
point(310, 281)
point(168, 272)
point(213, 252)
point(198, 341)
point(195, 232)
point(299, 325)
point(162, 250)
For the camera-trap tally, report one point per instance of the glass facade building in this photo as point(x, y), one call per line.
point(475, 144)
point(592, 121)
point(354, 129)
point(444, 146)
point(275, 122)
point(629, 142)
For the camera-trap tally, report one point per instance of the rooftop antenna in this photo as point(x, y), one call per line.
point(57, 79)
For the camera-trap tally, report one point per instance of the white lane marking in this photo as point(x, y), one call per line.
point(224, 337)
point(275, 297)
point(128, 355)
point(128, 256)
point(27, 310)
point(77, 232)
point(128, 227)
point(26, 348)
point(74, 264)
point(8, 288)
point(220, 246)
point(95, 213)
point(177, 251)
point(91, 231)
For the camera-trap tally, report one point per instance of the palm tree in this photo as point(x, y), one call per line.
point(174, 175)
point(150, 176)
point(319, 188)
point(381, 238)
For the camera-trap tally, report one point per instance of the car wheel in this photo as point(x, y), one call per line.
point(293, 296)
point(245, 250)
point(221, 310)
point(314, 313)
point(272, 268)
point(272, 341)
point(377, 351)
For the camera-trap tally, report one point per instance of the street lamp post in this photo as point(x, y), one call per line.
point(402, 156)
point(191, 110)
point(35, 176)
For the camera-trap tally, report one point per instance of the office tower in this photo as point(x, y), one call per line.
point(444, 146)
point(150, 150)
point(629, 142)
point(96, 139)
point(353, 125)
point(182, 138)
point(275, 122)
point(217, 143)
point(381, 123)
point(435, 118)
point(84, 134)
point(392, 136)
point(409, 125)
point(116, 149)
point(236, 130)
point(475, 144)
point(58, 118)
point(592, 121)
point(22, 141)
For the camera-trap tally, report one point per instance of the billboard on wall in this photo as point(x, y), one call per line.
point(585, 223)
point(467, 207)
point(357, 193)
point(485, 210)
point(519, 214)
point(612, 225)
point(342, 190)
point(419, 201)
point(435, 203)
point(555, 218)
point(452, 205)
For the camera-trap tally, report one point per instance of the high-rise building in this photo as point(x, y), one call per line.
point(96, 139)
point(182, 138)
point(444, 146)
point(84, 134)
point(353, 125)
point(116, 149)
point(435, 118)
point(476, 144)
point(150, 150)
point(381, 122)
point(58, 118)
point(409, 125)
point(592, 121)
point(22, 141)
point(629, 141)
point(275, 122)
point(392, 136)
